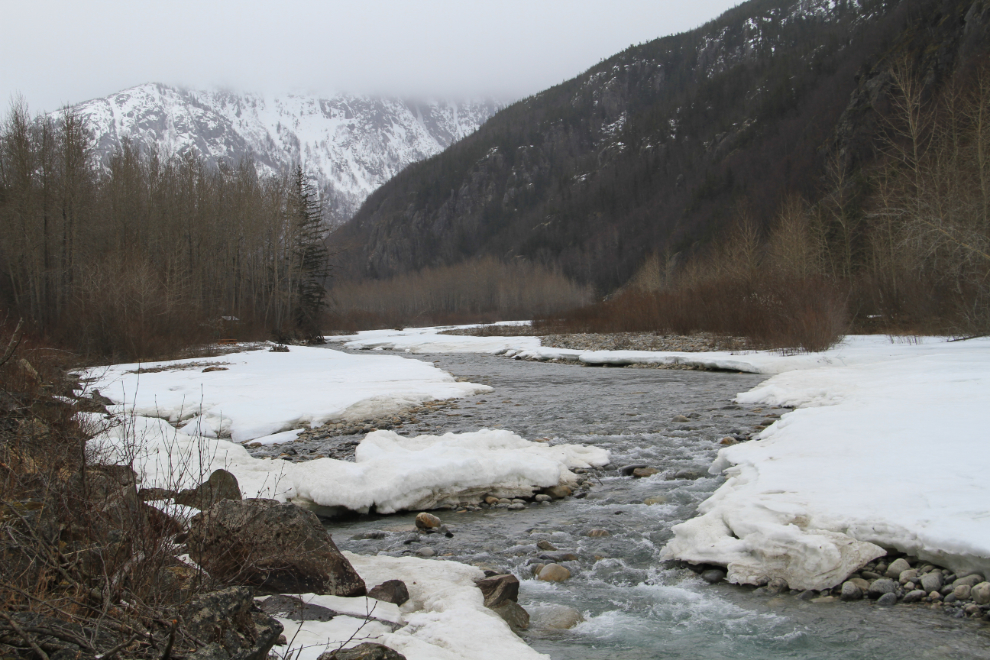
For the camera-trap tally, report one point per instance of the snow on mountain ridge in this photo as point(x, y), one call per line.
point(350, 144)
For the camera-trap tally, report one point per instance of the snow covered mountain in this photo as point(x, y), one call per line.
point(350, 144)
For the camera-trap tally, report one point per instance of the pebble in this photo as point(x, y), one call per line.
point(426, 552)
point(887, 600)
point(558, 492)
point(543, 498)
point(981, 593)
point(543, 544)
point(882, 587)
point(861, 583)
point(962, 592)
point(426, 520)
point(517, 506)
point(914, 596)
point(897, 567)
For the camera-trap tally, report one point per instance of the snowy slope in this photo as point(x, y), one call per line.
point(351, 144)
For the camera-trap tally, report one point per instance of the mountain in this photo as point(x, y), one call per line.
point(659, 147)
point(350, 144)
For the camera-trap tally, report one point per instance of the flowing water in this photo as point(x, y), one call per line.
point(634, 605)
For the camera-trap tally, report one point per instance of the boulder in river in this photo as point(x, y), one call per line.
point(275, 546)
point(390, 591)
point(554, 573)
point(498, 589)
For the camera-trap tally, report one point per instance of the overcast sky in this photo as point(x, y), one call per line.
point(56, 53)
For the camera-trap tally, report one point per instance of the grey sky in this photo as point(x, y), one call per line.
point(55, 53)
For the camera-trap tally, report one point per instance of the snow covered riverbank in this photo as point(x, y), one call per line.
point(887, 449)
point(258, 394)
point(255, 394)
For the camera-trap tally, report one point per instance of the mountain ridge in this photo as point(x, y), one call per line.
point(349, 144)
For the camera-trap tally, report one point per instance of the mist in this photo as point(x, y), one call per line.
point(58, 53)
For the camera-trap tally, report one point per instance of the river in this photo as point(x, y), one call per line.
point(635, 606)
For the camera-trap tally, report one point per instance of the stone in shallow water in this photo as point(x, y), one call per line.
point(981, 593)
point(887, 600)
point(713, 575)
point(851, 591)
point(543, 544)
point(426, 520)
point(556, 617)
point(554, 573)
point(914, 596)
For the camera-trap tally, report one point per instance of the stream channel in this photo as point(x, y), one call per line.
point(635, 606)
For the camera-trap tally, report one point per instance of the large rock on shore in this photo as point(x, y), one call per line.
point(277, 547)
point(225, 620)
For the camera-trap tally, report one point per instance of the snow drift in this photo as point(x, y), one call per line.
point(889, 451)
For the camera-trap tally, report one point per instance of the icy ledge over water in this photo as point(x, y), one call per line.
point(890, 450)
point(391, 473)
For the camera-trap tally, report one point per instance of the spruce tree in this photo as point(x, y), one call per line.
point(312, 260)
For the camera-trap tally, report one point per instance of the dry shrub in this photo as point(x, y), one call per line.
point(480, 291)
point(808, 314)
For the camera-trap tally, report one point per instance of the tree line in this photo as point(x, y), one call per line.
point(143, 253)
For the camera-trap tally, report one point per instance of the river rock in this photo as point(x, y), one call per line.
point(870, 575)
point(598, 533)
point(426, 551)
point(542, 497)
point(513, 614)
point(680, 419)
point(962, 592)
point(931, 581)
point(864, 585)
point(390, 591)
point(537, 568)
point(275, 546)
point(688, 475)
point(544, 544)
point(659, 499)
point(491, 500)
point(221, 485)
point(850, 591)
point(887, 600)
point(640, 473)
point(627, 470)
point(971, 580)
point(558, 492)
point(777, 586)
point(554, 573)
point(556, 617)
point(365, 651)
point(897, 567)
point(713, 575)
point(881, 587)
point(499, 589)
point(914, 596)
point(981, 593)
point(427, 521)
point(910, 575)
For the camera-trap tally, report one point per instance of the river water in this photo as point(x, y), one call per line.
point(634, 605)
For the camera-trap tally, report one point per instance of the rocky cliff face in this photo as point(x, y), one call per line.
point(350, 144)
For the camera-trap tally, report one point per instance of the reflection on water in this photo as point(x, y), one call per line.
point(634, 606)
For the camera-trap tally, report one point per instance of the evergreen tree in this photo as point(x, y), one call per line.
point(312, 260)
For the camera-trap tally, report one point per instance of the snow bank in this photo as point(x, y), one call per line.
point(428, 340)
point(258, 394)
point(854, 350)
point(444, 619)
point(888, 448)
point(391, 472)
